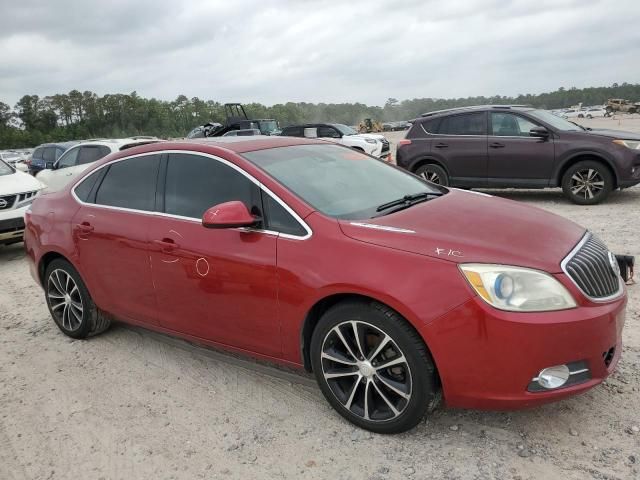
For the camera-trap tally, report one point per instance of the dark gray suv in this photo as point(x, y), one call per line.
point(522, 147)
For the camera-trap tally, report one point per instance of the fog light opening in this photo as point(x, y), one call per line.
point(554, 377)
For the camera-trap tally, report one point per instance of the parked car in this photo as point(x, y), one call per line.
point(17, 192)
point(595, 112)
point(247, 132)
point(373, 144)
point(14, 159)
point(520, 147)
point(389, 288)
point(47, 154)
point(80, 156)
point(571, 113)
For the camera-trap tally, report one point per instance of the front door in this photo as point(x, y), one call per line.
point(111, 237)
point(216, 284)
point(517, 159)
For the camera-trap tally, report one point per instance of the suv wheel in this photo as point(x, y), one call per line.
point(587, 182)
point(69, 302)
point(372, 367)
point(434, 174)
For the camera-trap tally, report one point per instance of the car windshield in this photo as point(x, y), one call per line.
point(5, 169)
point(555, 121)
point(344, 130)
point(268, 126)
point(338, 181)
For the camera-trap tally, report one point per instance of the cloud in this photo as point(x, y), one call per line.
point(273, 51)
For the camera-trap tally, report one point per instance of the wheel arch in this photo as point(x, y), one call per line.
point(324, 304)
point(426, 161)
point(46, 260)
point(582, 156)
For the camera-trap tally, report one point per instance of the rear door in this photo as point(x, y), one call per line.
point(460, 144)
point(517, 159)
point(111, 236)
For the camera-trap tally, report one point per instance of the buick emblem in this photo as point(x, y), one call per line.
point(614, 263)
point(3, 203)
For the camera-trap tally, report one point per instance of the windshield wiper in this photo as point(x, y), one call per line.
point(408, 200)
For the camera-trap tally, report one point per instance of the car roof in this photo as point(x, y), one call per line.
point(475, 108)
point(118, 143)
point(59, 144)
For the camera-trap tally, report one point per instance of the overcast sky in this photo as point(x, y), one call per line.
point(303, 50)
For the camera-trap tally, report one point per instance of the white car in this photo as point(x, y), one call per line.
point(14, 159)
point(573, 113)
point(595, 112)
point(373, 144)
point(17, 192)
point(79, 157)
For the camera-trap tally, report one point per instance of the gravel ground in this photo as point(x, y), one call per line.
point(131, 404)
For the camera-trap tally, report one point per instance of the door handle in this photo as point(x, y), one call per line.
point(441, 145)
point(166, 244)
point(84, 227)
point(496, 145)
point(68, 174)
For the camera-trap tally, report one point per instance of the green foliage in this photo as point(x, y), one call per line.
point(77, 115)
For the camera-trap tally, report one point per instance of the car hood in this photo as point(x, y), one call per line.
point(603, 132)
point(471, 227)
point(18, 182)
point(377, 136)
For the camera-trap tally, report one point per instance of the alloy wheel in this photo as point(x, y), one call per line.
point(366, 371)
point(64, 300)
point(431, 176)
point(587, 183)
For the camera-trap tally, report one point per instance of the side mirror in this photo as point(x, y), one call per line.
point(50, 165)
point(539, 132)
point(228, 215)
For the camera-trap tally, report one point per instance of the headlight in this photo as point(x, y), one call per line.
point(370, 140)
point(517, 289)
point(632, 144)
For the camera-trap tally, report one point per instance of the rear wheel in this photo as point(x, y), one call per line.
point(69, 302)
point(587, 182)
point(433, 173)
point(372, 367)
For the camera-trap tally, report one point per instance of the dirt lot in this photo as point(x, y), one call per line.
point(135, 405)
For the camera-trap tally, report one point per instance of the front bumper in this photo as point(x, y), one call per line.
point(487, 358)
point(11, 230)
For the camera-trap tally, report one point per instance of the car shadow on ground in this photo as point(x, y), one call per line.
point(11, 252)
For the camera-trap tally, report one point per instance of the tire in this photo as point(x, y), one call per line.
point(594, 177)
point(589, 116)
point(433, 173)
point(410, 385)
point(80, 317)
point(581, 116)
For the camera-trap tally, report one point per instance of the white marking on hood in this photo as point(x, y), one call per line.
point(382, 227)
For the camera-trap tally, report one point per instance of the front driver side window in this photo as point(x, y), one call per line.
point(328, 132)
point(68, 159)
point(510, 125)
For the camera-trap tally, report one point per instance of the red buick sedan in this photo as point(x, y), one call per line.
point(390, 289)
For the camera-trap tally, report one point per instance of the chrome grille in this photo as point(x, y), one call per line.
point(7, 202)
point(589, 266)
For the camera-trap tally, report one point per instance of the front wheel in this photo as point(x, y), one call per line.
point(587, 182)
point(372, 367)
point(434, 174)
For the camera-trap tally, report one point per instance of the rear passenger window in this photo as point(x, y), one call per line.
point(279, 220)
point(83, 189)
point(464, 124)
point(91, 153)
point(130, 183)
point(196, 183)
point(49, 154)
point(292, 132)
point(421, 130)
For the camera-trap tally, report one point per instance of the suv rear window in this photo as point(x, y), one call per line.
point(292, 131)
point(464, 124)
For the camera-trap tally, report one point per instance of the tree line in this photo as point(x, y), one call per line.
point(80, 115)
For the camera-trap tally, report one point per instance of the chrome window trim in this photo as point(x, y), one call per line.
point(255, 181)
point(568, 258)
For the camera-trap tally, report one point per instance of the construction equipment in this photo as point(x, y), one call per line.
point(369, 126)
